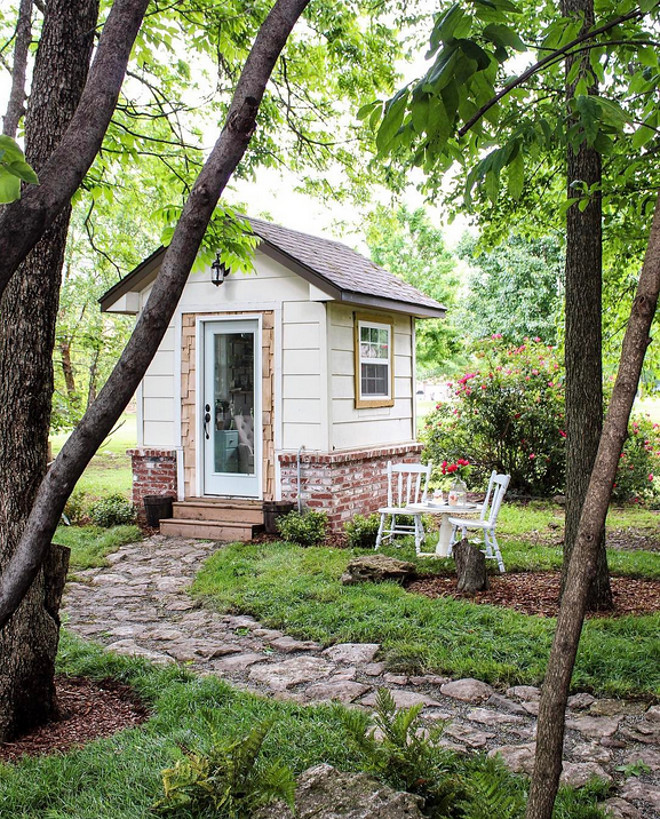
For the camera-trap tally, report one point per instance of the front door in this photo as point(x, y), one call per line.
point(231, 408)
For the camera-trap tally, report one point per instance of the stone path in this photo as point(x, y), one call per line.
point(140, 606)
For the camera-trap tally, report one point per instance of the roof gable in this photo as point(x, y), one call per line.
point(333, 267)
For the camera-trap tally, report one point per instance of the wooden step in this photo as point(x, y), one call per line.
point(209, 529)
point(234, 512)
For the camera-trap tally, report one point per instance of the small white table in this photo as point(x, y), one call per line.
point(444, 511)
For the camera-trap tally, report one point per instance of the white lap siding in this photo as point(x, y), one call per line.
point(358, 428)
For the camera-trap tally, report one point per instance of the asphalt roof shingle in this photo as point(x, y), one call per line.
point(341, 266)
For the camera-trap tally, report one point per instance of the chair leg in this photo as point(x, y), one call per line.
point(419, 533)
point(498, 554)
point(379, 536)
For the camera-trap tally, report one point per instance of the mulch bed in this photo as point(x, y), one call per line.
point(89, 709)
point(538, 593)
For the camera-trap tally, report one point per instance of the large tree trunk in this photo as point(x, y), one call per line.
point(583, 344)
point(27, 336)
point(583, 565)
point(155, 318)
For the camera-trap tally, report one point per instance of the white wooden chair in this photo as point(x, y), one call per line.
point(497, 486)
point(406, 484)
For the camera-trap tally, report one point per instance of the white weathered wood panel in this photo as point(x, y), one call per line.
point(301, 362)
point(300, 386)
point(302, 336)
point(158, 386)
point(308, 435)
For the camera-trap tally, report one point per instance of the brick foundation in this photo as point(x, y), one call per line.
point(154, 473)
point(343, 483)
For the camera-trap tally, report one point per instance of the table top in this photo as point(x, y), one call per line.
point(443, 508)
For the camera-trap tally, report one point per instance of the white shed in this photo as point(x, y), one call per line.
point(295, 380)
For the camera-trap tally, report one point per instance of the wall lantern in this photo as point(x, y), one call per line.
point(218, 271)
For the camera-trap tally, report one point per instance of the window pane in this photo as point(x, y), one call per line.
point(374, 378)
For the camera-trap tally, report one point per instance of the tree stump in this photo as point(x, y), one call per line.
point(470, 567)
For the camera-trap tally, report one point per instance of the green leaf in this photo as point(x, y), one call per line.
point(419, 110)
point(23, 171)
point(10, 187)
point(475, 52)
point(392, 120)
point(516, 176)
point(10, 149)
point(504, 36)
point(641, 136)
point(366, 109)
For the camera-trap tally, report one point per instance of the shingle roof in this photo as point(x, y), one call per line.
point(328, 264)
point(340, 265)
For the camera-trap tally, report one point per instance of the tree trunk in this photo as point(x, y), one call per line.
point(582, 568)
point(93, 372)
point(27, 337)
point(583, 344)
point(155, 318)
point(67, 368)
point(470, 567)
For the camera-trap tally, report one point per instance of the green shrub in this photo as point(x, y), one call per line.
point(227, 780)
point(307, 529)
point(361, 531)
point(114, 510)
point(76, 507)
point(508, 415)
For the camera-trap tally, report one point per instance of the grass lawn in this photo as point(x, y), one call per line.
point(109, 471)
point(90, 544)
point(119, 777)
point(299, 590)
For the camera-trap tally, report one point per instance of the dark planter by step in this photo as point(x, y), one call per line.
point(274, 510)
point(157, 508)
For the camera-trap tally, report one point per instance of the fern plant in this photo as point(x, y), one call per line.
point(490, 791)
point(395, 748)
point(229, 780)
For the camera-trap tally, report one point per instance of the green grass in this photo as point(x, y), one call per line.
point(299, 590)
point(119, 777)
point(109, 471)
point(90, 544)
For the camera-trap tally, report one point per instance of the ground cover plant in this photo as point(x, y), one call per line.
point(120, 777)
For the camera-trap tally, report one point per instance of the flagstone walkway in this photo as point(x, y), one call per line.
point(140, 606)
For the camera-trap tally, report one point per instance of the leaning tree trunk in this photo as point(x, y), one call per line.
point(556, 685)
point(28, 311)
point(583, 344)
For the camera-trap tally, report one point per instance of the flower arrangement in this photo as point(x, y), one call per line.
point(461, 468)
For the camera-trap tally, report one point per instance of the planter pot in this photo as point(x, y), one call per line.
point(157, 507)
point(272, 511)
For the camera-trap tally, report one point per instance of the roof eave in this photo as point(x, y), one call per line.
point(135, 281)
point(377, 302)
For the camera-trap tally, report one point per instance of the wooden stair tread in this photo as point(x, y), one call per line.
point(210, 529)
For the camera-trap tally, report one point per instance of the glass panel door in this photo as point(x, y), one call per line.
point(231, 406)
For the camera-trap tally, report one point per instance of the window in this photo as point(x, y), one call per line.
point(373, 363)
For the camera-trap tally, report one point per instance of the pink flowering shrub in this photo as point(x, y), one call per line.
point(508, 415)
point(638, 476)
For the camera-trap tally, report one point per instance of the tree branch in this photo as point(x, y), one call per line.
point(556, 55)
point(23, 223)
point(155, 318)
point(16, 104)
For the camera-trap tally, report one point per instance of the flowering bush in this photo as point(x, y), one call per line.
point(508, 415)
point(637, 477)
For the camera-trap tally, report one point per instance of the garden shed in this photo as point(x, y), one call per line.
point(294, 380)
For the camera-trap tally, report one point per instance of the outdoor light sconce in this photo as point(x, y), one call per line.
point(218, 271)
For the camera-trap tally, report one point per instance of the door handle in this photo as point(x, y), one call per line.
point(207, 418)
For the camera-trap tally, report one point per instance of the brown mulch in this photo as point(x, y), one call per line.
point(538, 593)
point(89, 709)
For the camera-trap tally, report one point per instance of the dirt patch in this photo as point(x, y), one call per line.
point(89, 709)
point(538, 593)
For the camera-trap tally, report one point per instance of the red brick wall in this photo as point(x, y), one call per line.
point(154, 473)
point(343, 483)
